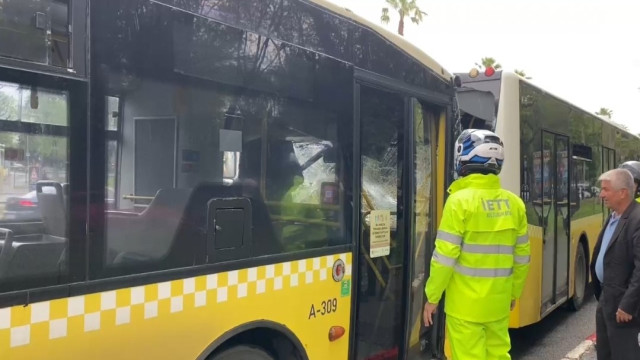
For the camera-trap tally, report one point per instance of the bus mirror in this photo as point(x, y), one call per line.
point(457, 82)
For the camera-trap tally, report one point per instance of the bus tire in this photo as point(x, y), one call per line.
point(580, 277)
point(244, 352)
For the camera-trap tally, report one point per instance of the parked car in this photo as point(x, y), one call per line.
point(24, 207)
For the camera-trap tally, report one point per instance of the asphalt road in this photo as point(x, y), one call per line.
point(555, 335)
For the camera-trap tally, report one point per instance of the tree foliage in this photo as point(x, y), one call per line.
point(404, 8)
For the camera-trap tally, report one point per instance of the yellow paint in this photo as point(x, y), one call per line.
point(447, 345)
point(440, 179)
point(590, 227)
point(440, 182)
point(179, 319)
point(527, 309)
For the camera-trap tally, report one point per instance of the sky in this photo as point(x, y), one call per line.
point(584, 51)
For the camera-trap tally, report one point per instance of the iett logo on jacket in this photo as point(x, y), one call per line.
point(496, 208)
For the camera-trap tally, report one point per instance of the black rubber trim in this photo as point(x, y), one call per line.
point(26, 297)
point(250, 326)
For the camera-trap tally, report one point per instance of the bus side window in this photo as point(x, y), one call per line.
point(34, 179)
point(225, 131)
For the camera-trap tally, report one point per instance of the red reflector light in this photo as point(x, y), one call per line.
point(385, 355)
point(489, 71)
point(336, 333)
point(27, 203)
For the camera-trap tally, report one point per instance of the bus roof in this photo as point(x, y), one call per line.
point(618, 126)
point(395, 39)
point(611, 122)
point(499, 74)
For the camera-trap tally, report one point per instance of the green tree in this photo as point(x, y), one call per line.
point(404, 8)
point(487, 62)
point(49, 108)
point(8, 111)
point(605, 112)
point(8, 105)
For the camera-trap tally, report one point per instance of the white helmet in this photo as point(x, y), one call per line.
point(478, 151)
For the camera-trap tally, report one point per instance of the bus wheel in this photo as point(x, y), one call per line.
point(579, 279)
point(244, 352)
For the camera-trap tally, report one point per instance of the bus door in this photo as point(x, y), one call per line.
point(556, 213)
point(395, 229)
point(154, 158)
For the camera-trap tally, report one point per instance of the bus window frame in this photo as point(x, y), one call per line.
point(77, 145)
point(78, 15)
point(112, 135)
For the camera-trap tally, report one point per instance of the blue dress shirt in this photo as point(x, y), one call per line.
point(606, 239)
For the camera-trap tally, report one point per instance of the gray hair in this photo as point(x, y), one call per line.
point(620, 179)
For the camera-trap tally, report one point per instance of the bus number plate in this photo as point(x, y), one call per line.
point(326, 307)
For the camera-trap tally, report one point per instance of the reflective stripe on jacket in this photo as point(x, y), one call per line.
point(482, 252)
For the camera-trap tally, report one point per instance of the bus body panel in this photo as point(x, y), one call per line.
point(152, 65)
point(179, 319)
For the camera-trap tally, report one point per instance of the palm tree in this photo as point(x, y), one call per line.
point(404, 8)
point(522, 73)
point(488, 62)
point(605, 112)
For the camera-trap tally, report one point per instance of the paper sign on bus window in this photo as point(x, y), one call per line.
point(380, 233)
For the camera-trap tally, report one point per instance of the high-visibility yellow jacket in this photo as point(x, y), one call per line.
point(482, 250)
point(299, 236)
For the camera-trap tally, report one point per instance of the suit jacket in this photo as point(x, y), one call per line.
point(621, 285)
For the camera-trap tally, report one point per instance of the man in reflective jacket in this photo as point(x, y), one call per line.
point(482, 252)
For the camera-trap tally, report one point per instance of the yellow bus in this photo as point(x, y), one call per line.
point(199, 179)
point(554, 154)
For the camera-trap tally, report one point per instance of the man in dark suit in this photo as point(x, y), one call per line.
point(615, 270)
